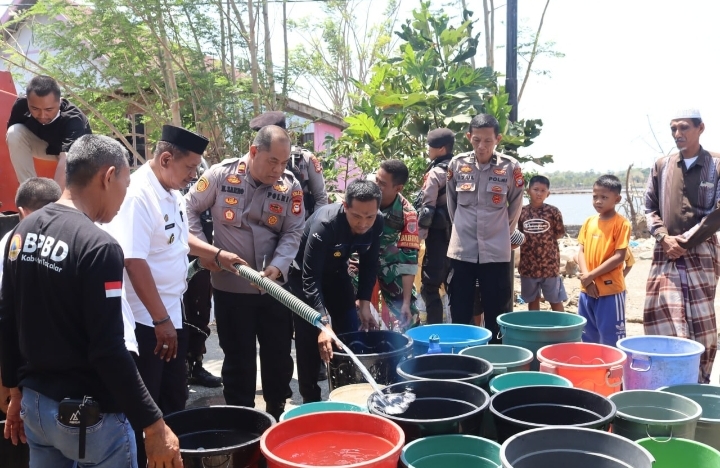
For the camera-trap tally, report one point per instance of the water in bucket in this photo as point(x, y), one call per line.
point(389, 403)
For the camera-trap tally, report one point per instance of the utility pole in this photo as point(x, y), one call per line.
point(511, 87)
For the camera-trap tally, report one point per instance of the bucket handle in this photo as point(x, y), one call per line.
point(501, 333)
point(615, 372)
point(548, 368)
point(647, 431)
point(640, 369)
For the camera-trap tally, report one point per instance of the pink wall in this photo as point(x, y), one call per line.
point(323, 129)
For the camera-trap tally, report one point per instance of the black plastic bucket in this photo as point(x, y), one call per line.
point(12, 456)
point(220, 436)
point(572, 447)
point(440, 407)
point(380, 351)
point(469, 369)
point(519, 409)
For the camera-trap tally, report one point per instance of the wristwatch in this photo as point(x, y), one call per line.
point(660, 236)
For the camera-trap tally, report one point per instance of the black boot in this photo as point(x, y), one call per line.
point(198, 375)
point(322, 373)
point(275, 409)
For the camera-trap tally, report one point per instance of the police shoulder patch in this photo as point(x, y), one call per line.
point(15, 247)
point(202, 184)
point(280, 187)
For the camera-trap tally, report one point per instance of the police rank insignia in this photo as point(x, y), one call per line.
point(337, 254)
point(15, 247)
point(496, 199)
point(233, 179)
point(466, 187)
point(229, 214)
point(241, 168)
point(202, 184)
point(275, 208)
point(172, 239)
point(465, 169)
point(316, 163)
point(280, 187)
point(231, 200)
point(272, 220)
point(500, 171)
point(517, 175)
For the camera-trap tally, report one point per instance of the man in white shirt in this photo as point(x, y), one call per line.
point(152, 229)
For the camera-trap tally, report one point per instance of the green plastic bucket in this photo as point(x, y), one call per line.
point(659, 415)
point(708, 397)
point(680, 452)
point(526, 379)
point(321, 407)
point(445, 451)
point(504, 358)
point(534, 329)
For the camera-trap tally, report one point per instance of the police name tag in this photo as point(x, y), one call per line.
point(169, 226)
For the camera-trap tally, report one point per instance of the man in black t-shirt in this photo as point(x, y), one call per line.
point(319, 275)
point(61, 327)
point(43, 125)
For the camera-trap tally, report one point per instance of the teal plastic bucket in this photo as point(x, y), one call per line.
point(321, 407)
point(526, 379)
point(680, 452)
point(658, 415)
point(446, 451)
point(453, 337)
point(658, 361)
point(504, 358)
point(708, 397)
point(534, 329)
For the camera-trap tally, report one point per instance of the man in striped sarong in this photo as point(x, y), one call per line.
point(681, 205)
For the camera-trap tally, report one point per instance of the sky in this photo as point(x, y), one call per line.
point(628, 66)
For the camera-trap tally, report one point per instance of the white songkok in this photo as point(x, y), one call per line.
point(686, 114)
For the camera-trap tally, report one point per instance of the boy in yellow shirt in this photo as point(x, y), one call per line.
point(603, 243)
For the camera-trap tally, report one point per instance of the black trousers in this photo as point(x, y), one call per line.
point(241, 319)
point(495, 290)
point(435, 267)
point(197, 301)
point(339, 297)
point(166, 381)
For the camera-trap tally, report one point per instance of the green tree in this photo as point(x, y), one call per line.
point(428, 83)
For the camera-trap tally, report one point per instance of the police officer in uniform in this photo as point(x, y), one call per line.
point(484, 191)
point(434, 221)
point(257, 210)
point(320, 276)
point(304, 165)
point(197, 302)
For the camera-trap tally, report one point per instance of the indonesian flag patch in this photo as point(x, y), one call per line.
point(113, 288)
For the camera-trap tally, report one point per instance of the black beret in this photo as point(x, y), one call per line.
point(440, 137)
point(268, 118)
point(184, 139)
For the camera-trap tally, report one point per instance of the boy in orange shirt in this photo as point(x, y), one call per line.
point(603, 242)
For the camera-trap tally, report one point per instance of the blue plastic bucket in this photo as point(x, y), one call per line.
point(659, 361)
point(453, 337)
point(321, 407)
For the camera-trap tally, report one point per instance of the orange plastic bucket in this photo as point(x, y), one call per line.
point(594, 367)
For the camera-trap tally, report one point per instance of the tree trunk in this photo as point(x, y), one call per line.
point(630, 200)
point(534, 51)
point(268, 58)
point(472, 59)
point(254, 67)
point(489, 18)
point(287, 55)
point(169, 74)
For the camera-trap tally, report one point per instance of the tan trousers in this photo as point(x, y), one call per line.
point(24, 145)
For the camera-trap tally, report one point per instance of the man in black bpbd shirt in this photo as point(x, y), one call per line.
point(319, 275)
point(61, 328)
point(43, 125)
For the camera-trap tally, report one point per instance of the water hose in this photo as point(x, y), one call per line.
point(278, 292)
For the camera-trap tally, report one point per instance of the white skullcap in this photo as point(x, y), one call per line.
point(686, 114)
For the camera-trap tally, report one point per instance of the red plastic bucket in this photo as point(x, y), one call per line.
point(594, 367)
point(333, 439)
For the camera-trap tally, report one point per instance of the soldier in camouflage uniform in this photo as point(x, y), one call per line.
point(399, 245)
